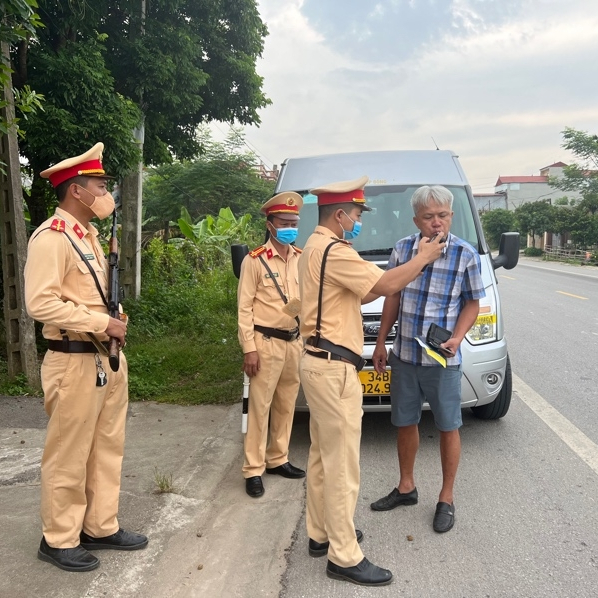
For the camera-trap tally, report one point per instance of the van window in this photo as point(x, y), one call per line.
point(391, 218)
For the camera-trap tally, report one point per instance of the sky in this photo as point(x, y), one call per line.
point(496, 81)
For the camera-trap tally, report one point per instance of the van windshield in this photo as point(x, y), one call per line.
point(391, 218)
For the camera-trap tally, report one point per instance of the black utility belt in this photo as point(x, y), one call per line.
point(284, 335)
point(67, 346)
point(337, 352)
point(326, 355)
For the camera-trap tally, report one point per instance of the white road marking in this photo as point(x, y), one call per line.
point(573, 437)
point(526, 265)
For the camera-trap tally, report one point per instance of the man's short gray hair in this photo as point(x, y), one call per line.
point(424, 196)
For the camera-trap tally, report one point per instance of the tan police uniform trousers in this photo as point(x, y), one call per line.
point(333, 392)
point(272, 390)
point(81, 464)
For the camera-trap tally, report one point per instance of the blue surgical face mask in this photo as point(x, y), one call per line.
point(351, 234)
point(286, 236)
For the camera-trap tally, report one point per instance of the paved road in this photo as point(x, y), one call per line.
point(527, 519)
point(551, 315)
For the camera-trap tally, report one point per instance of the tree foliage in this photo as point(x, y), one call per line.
point(582, 227)
point(105, 69)
point(79, 111)
point(581, 176)
point(86, 109)
point(581, 221)
point(194, 63)
point(224, 175)
point(214, 236)
point(185, 63)
point(560, 219)
point(533, 218)
point(495, 223)
point(18, 21)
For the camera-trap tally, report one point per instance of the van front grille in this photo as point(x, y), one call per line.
point(371, 327)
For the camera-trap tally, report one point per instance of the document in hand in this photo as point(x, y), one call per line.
point(431, 352)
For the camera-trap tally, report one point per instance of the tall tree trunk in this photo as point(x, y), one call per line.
point(20, 333)
point(36, 202)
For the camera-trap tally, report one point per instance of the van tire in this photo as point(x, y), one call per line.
point(499, 407)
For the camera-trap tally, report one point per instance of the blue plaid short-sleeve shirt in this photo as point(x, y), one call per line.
point(436, 296)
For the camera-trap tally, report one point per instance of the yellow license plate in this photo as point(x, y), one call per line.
point(373, 383)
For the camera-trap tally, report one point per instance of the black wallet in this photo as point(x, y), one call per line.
point(437, 335)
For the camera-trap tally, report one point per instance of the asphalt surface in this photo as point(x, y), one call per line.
point(551, 323)
point(206, 539)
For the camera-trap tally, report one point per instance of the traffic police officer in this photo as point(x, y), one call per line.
point(268, 303)
point(331, 295)
point(66, 284)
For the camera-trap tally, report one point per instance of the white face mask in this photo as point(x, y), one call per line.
point(102, 206)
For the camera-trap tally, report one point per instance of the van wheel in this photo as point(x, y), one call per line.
point(499, 407)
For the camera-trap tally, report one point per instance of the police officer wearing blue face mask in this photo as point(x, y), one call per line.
point(348, 235)
point(268, 300)
point(334, 281)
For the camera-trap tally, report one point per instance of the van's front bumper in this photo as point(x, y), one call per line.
point(483, 376)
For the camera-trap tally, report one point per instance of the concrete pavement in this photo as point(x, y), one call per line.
point(206, 539)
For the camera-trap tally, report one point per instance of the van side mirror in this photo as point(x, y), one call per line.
point(238, 253)
point(508, 252)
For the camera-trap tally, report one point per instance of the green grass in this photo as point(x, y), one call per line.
point(175, 369)
point(16, 387)
point(164, 482)
point(185, 370)
point(182, 337)
point(182, 340)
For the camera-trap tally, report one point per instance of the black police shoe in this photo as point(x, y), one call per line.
point(121, 540)
point(68, 559)
point(286, 470)
point(317, 549)
point(362, 574)
point(254, 486)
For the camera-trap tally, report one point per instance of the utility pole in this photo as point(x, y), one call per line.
point(132, 194)
point(20, 332)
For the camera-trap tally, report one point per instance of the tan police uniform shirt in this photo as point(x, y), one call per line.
point(259, 301)
point(59, 288)
point(345, 271)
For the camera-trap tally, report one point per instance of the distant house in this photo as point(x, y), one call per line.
point(267, 175)
point(512, 191)
point(484, 202)
point(524, 189)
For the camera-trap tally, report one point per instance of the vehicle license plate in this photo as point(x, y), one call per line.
point(373, 383)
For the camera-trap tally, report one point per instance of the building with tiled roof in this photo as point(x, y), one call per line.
point(519, 189)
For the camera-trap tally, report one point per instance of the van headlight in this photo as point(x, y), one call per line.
point(484, 330)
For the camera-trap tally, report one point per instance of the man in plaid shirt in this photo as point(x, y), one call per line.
point(447, 294)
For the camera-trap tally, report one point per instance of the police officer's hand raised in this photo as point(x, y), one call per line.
point(251, 363)
point(396, 279)
point(117, 329)
point(431, 249)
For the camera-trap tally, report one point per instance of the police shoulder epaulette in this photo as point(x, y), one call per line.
point(297, 250)
point(257, 251)
point(58, 225)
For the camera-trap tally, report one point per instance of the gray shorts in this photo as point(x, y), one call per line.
point(410, 385)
